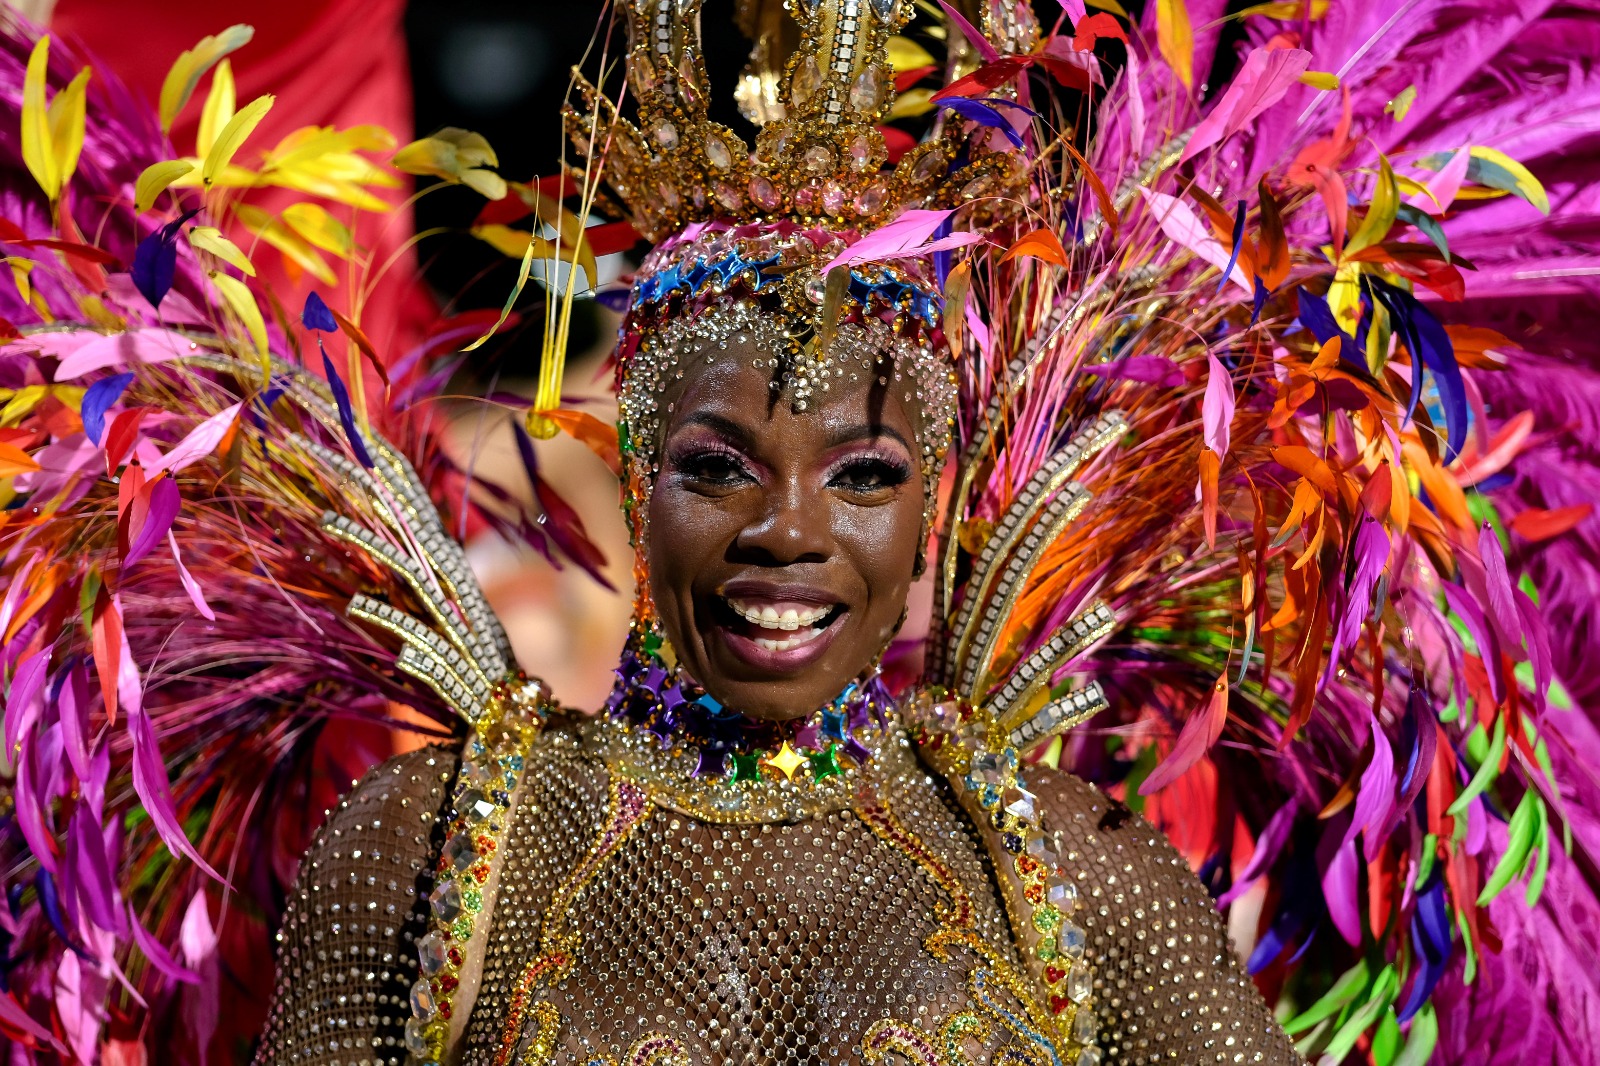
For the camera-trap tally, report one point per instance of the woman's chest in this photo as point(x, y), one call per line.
point(699, 943)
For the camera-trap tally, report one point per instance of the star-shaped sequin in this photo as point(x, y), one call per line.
point(825, 764)
point(711, 763)
point(833, 724)
point(786, 761)
point(745, 767)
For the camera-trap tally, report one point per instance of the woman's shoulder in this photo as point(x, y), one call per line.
point(1170, 980)
point(356, 906)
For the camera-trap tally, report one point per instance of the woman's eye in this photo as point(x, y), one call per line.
point(870, 475)
point(713, 468)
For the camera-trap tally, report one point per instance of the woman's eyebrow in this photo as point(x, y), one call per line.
point(725, 427)
point(851, 434)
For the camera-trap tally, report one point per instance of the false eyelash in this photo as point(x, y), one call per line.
point(895, 463)
point(685, 462)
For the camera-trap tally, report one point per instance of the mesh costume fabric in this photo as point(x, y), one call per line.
point(346, 949)
point(761, 943)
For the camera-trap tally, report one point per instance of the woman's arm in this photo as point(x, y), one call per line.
point(346, 954)
point(1168, 985)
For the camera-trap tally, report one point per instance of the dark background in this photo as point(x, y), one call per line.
point(502, 69)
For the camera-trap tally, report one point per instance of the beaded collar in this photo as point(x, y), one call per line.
point(664, 731)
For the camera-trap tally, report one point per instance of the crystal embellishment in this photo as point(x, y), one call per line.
point(446, 901)
point(475, 805)
point(866, 92)
point(665, 134)
point(807, 80)
point(423, 1004)
point(459, 852)
point(432, 953)
point(1072, 940)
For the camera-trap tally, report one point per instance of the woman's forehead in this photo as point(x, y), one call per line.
point(740, 386)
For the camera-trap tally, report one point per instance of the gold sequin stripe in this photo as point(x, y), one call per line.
point(445, 556)
point(871, 808)
point(426, 656)
point(1023, 514)
point(983, 630)
point(450, 624)
point(393, 492)
point(1029, 680)
point(485, 643)
point(1058, 716)
point(1001, 541)
point(968, 468)
point(628, 807)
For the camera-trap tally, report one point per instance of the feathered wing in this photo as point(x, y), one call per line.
point(1273, 448)
point(210, 559)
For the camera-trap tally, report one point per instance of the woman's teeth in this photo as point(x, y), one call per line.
point(789, 618)
point(805, 636)
point(801, 621)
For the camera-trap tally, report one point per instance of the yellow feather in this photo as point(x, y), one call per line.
point(232, 138)
point(320, 229)
point(192, 65)
point(37, 149)
point(1175, 37)
point(155, 179)
point(236, 295)
point(221, 103)
point(1381, 213)
point(1523, 183)
point(294, 248)
point(66, 114)
point(210, 239)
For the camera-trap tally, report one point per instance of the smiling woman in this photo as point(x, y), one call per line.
point(1167, 464)
point(782, 542)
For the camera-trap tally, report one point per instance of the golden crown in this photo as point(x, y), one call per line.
point(819, 156)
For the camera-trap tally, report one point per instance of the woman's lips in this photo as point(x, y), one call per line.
point(778, 635)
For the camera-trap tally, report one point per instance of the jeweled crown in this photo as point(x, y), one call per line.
point(819, 156)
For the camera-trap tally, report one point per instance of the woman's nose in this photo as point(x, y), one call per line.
point(792, 527)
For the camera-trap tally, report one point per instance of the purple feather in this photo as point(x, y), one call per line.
point(158, 955)
point(97, 398)
point(50, 903)
point(165, 500)
point(983, 113)
point(22, 705)
point(347, 416)
point(1432, 944)
point(155, 261)
point(155, 791)
point(1420, 740)
point(95, 887)
point(317, 316)
point(1318, 318)
point(1430, 347)
point(1238, 242)
point(1269, 846)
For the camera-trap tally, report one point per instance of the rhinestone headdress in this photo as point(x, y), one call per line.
point(819, 156)
point(734, 225)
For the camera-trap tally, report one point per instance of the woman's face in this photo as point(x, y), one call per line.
point(782, 544)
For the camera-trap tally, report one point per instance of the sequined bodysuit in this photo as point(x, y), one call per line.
point(851, 935)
